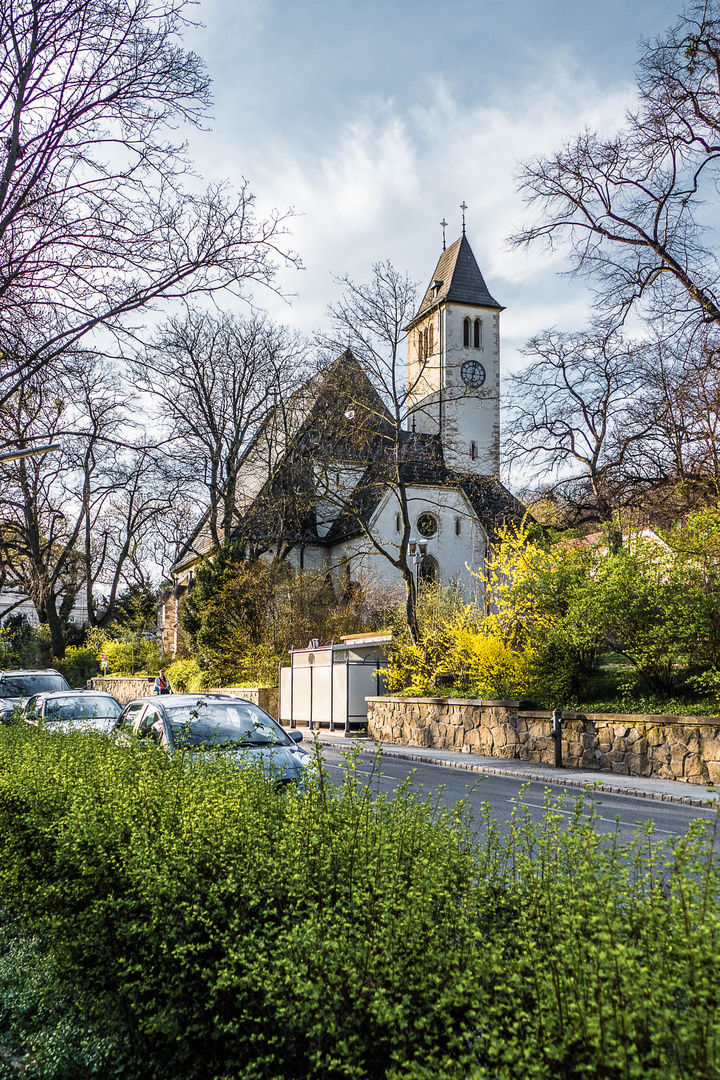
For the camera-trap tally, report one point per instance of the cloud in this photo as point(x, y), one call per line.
point(387, 175)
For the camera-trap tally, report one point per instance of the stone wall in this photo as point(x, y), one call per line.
point(667, 747)
point(125, 688)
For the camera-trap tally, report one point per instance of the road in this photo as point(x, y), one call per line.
point(502, 793)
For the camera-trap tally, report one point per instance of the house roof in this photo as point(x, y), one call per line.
point(491, 502)
point(457, 279)
point(318, 410)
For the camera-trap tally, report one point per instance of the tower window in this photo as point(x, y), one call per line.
point(458, 526)
point(477, 334)
point(397, 523)
point(473, 451)
point(466, 333)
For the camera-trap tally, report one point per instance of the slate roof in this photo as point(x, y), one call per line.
point(318, 403)
point(462, 282)
point(492, 503)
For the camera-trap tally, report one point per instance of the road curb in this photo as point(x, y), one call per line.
point(566, 781)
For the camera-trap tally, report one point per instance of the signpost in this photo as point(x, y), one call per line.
point(103, 661)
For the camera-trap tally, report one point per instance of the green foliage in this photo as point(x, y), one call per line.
point(22, 645)
point(136, 610)
point(418, 670)
point(185, 676)
point(133, 657)
point(79, 664)
point(225, 611)
point(240, 617)
point(553, 606)
point(217, 928)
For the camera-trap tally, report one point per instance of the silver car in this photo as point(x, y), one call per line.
point(76, 710)
point(17, 686)
point(205, 723)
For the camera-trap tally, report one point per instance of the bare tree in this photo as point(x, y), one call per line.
point(680, 411)
point(629, 206)
point(371, 320)
point(573, 415)
point(94, 221)
point(217, 380)
point(73, 519)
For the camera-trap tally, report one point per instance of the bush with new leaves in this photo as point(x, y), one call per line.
point(198, 925)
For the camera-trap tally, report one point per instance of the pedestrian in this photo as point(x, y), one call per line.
point(162, 686)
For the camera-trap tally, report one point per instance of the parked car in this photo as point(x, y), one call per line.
point(206, 723)
point(17, 686)
point(75, 710)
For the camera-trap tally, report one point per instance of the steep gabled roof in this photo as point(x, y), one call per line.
point(317, 411)
point(460, 281)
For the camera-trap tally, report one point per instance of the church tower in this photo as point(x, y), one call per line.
point(454, 363)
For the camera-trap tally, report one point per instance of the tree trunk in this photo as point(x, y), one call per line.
point(57, 637)
point(411, 605)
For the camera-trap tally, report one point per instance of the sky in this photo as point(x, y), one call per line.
point(375, 119)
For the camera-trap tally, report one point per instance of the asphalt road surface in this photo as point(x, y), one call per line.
point(621, 812)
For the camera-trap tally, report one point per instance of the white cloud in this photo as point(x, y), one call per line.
point(389, 175)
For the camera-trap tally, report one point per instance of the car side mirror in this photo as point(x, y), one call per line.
point(295, 735)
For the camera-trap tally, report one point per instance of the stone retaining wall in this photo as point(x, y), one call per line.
point(125, 688)
point(667, 747)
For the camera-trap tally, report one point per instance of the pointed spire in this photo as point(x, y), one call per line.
point(457, 279)
point(443, 224)
point(463, 207)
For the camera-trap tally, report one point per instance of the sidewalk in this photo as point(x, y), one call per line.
point(641, 787)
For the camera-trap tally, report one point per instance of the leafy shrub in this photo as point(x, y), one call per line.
point(494, 668)
point(185, 676)
point(221, 929)
point(23, 645)
point(133, 657)
point(417, 670)
point(78, 665)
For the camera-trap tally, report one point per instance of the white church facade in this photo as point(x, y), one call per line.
point(450, 451)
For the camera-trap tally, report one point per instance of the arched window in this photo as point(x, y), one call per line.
point(430, 339)
point(428, 572)
point(477, 334)
point(466, 333)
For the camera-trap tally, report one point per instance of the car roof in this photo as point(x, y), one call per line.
point(185, 699)
point(75, 693)
point(30, 671)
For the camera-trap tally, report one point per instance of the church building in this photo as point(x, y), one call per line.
point(324, 493)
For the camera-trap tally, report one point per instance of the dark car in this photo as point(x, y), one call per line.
point(74, 710)
point(17, 686)
point(206, 723)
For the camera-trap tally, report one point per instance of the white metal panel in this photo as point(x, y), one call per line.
point(285, 712)
point(339, 705)
point(321, 695)
point(301, 693)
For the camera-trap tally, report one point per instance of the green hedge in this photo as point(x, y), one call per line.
point(211, 927)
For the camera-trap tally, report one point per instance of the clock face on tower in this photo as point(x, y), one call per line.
point(473, 373)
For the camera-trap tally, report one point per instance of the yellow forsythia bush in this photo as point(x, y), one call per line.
point(494, 669)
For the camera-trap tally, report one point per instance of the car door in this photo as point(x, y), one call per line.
point(149, 726)
point(33, 711)
point(128, 719)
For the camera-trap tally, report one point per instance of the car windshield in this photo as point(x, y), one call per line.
point(215, 723)
point(81, 707)
point(25, 685)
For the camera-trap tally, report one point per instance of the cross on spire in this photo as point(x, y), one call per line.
point(463, 207)
point(443, 223)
